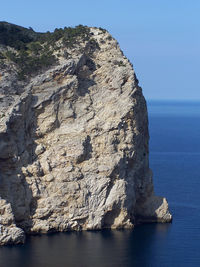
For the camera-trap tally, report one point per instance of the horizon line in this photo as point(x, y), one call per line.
point(172, 99)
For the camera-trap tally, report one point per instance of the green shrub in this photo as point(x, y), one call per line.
point(34, 51)
point(103, 30)
point(121, 64)
point(2, 56)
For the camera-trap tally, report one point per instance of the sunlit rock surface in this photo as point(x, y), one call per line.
point(74, 146)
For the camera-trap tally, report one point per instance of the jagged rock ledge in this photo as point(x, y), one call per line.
point(74, 145)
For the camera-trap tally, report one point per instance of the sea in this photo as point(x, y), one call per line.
point(175, 160)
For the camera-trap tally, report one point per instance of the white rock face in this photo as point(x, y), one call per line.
point(74, 146)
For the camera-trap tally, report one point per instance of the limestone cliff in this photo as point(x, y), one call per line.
point(74, 143)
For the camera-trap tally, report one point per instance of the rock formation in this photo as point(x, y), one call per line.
point(74, 144)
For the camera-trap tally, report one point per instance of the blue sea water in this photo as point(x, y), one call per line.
point(175, 160)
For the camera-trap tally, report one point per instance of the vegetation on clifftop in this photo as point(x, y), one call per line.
point(32, 51)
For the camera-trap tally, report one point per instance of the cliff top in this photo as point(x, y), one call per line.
point(32, 51)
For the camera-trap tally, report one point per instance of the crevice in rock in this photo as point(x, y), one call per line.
point(87, 150)
point(110, 217)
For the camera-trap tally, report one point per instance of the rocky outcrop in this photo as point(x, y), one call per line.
point(9, 233)
point(74, 146)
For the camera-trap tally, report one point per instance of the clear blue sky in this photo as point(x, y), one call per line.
point(160, 37)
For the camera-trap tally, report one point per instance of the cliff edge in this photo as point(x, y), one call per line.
point(73, 135)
